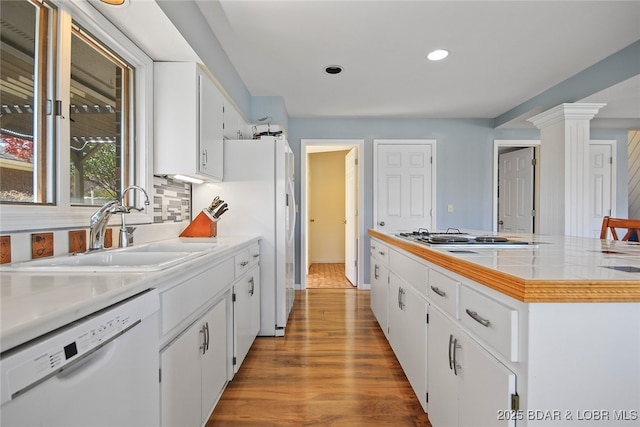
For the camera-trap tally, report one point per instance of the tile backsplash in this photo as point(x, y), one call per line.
point(171, 200)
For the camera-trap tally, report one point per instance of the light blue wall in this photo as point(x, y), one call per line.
point(612, 70)
point(272, 106)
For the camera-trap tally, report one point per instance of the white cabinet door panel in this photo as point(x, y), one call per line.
point(442, 381)
point(485, 388)
point(180, 384)
point(214, 359)
point(407, 333)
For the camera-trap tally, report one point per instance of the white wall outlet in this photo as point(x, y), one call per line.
point(449, 208)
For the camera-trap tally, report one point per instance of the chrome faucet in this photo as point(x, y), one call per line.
point(98, 223)
point(126, 233)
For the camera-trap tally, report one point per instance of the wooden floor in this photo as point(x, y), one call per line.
point(327, 276)
point(334, 367)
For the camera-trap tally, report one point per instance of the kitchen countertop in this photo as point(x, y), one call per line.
point(35, 303)
point(555, 269)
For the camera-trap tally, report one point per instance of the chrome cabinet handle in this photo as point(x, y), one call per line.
point(450, 358)
point(381, 224)
point(244, 263)
point(256, 255)
point(207, 329)
point(475, 316)
point(438, 291)
point(203, 347)
point(455, 362)
point(401, 294)
point(251, 286)
point(205, 159)
point(381, 253)
point(375, 271)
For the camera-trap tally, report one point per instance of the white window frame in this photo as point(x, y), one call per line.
point(62, 214)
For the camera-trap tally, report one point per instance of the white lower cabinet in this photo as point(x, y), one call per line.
point(408, 333)
point(467, 385)
point(194, 369)
point(379, 294)
point(246, 314)
point(203, 332)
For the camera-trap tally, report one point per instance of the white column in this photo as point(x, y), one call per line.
point(564, 194)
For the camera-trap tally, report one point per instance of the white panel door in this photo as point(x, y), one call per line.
point(515, 198)
point(350, 222)
point(601, 181)
point(404, 186)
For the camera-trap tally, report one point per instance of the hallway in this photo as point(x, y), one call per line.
point(334, 367)
point(327, 276)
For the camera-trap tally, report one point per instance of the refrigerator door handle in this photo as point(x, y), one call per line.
point(292, 210)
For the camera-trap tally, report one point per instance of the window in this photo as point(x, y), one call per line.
point(76, 101)
point(99, 116)
point(25, 157)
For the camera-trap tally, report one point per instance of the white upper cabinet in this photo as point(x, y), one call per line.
point(188, 122)
point(235, 126)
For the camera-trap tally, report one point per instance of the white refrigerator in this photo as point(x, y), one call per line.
point(258, 186)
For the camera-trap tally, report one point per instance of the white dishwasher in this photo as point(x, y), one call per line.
point(101, 370)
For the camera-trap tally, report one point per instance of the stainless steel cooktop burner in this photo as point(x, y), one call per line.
point(455, 237)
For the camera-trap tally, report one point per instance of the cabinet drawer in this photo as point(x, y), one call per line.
point(443, 291)
point(380, 251)
point(242, 262)
point(492, 322)
point(254, 255)
point(411, 270)
point(180, 302)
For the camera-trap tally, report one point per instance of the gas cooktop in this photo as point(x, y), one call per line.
point(454, 237)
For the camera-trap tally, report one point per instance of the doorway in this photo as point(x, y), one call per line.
point(325, 237)
point(602, 185)
point(501, 147)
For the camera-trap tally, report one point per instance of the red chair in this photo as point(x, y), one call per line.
point(631, 225)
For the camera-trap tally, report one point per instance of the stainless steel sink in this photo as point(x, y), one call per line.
point(173, 247)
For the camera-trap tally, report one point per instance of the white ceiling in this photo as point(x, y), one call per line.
point(503, 53)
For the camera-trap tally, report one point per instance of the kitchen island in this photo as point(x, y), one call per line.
point(542, 334)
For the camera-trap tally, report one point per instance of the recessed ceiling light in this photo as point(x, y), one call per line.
point(333, 69)
point(437, 55)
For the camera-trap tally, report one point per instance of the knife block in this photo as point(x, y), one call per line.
point(202, 226)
